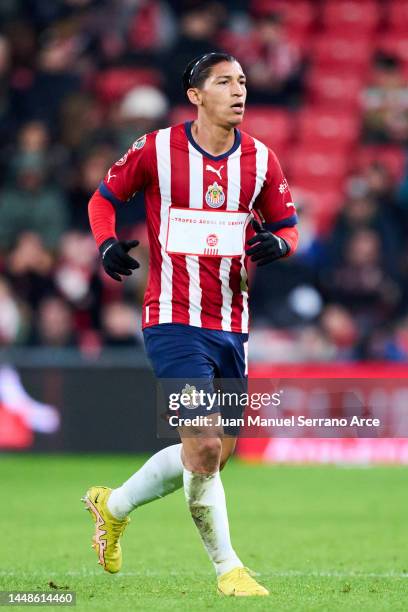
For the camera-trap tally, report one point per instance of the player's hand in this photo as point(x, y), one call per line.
point(115, 258)
point(267, 247)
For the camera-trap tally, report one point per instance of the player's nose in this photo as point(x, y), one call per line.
point(238, 91)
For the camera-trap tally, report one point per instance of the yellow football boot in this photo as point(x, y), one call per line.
point(108, 529)
point(239, 583)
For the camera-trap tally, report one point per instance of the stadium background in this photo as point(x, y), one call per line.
point(81, 80)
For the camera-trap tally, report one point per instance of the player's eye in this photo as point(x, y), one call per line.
point(222, 82)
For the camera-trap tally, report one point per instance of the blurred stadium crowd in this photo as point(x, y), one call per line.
point(327, 90)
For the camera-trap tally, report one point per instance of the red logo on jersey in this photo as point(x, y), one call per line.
point(212, 240)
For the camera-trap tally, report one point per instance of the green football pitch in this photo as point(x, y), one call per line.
point(321, 538)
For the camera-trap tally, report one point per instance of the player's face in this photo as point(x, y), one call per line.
point(224, 93)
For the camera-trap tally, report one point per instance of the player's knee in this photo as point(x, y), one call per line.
point(207, 455)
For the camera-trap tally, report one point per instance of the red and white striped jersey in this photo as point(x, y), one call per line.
point(198, 207)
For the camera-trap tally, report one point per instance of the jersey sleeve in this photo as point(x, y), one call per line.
point(274, 202)
point(131, 173)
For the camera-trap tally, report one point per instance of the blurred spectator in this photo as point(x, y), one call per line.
point(54, 324)
point(29, 269)
point(81, 122)
point(91, 170)
point(33, 137)
point(273, 65)
point(141, 111)
point(340, 330)
point(56, 75)
point(119, 321)
point(314, 345)
point(295, 303)
point(32, 204)
point(385, 102)
point(362, 212)
point(198, 29)
point(77, 278)
point(32, 145)
point(360, 282)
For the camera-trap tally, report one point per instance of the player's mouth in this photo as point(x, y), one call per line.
point(238, 108)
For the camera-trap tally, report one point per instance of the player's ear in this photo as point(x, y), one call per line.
point(194, 96)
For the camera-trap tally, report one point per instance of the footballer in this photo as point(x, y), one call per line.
point(215, 197)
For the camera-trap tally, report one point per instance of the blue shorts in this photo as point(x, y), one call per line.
point(215, 360)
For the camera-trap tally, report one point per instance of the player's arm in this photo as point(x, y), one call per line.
point(275, 218)
point(123, 179)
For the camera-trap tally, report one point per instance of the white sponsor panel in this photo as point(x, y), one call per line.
point(206, 232)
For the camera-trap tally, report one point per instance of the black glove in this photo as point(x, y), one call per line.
point(115, 258)
point(268, 247)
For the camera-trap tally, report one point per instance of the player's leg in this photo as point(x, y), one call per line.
point(174, 354)
point(205, 497)
point(161, 475)
point(202, 451)
point(202, 455)
point(163, 472)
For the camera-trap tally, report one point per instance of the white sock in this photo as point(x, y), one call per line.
point(206, 499)
point(160, 475)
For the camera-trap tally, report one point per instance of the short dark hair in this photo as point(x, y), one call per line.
point(199, 69)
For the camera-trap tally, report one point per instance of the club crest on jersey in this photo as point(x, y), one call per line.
point(139, 143)
point(215, 196)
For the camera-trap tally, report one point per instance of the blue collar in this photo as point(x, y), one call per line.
point(237, 142)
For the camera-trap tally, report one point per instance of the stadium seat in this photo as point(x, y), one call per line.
point(238, 43)
point(351, 15)
point(353, 52)
point(245, 45)
point(320, 127)
point(318, 169)
point(298, 14)
point(336, 90)
point(114, 83)
point(392, 156)
point(322, 204)
point(272, 126)
point(397, 15)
